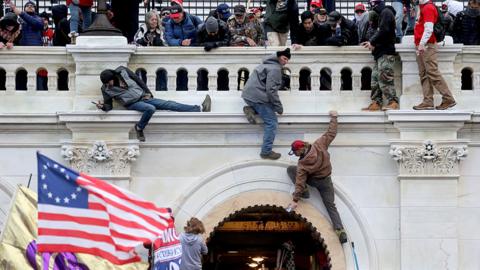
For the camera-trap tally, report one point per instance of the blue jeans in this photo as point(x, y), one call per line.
point(398, 6)
point(266, 112)
point(75, 17)
point(149, 106)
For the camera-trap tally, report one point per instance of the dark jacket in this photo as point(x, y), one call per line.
point(263, 85)
point(32, 28)
point(186, 29)
point(125, 96)
point(312, 38)
point(13, 36)
point(466, 28)
point(62, 25)
point(221, 39)
point(384, 38)
point(146, 37)
point(282, 16)
point(349, 34)
point(315, 164)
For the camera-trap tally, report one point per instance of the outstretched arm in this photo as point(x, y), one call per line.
point(331, 133)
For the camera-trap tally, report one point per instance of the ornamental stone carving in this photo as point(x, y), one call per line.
point(428, 158)
point(100, 159)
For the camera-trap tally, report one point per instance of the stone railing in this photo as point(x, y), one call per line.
point(322, 78)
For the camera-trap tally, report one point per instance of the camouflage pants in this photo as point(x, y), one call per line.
point(382, 79)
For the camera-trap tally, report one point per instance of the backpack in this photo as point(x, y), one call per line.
point(439, 28)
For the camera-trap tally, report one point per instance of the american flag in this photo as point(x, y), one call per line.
point(79, 213)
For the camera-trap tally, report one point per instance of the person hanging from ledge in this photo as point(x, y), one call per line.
point(314, 168)
point(261, 95)
point(129, 90)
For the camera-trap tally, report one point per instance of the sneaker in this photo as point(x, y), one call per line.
point(272, 155)
point(73, 37)
point(392, 105)
point(446, 104)
point(250, 114)
point(207, 104)
point(374, 106)
point(342, 236)
point(140, 135)
point(423, 106)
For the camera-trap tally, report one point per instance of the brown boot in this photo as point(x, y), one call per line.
point(446, 104)
point(392, 105)
point(374, 106)
point(423, 106)
point(272, 155)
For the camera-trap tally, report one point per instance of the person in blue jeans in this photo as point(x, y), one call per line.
point(129, 90)
point(261, 95)
point(75, 7)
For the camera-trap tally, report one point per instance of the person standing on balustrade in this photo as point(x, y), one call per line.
point(281, 17)
point(77, 8)
point(382, 45)
point(261, 95)
point(131, 92)
point(427, 53)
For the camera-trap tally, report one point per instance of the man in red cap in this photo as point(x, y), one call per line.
point(314, 168)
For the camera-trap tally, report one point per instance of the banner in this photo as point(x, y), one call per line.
point(168, 250)
point(18, 246)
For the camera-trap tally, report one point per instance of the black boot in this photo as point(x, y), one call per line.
point(140, 135)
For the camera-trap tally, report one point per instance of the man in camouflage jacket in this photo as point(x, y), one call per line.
point(243, 31)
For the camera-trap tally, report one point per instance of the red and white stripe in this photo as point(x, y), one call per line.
point(114, 224)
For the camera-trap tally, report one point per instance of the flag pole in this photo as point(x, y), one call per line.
point(29, 180)
point(152, 253)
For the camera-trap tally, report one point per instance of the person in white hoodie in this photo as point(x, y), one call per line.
point(193, 245)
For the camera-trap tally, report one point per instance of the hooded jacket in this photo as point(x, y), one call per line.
point(193, 247)
point(384, 38)
point(135, 91)
point(315, 164)
point(466, 28)
point(10, 19)
point(146, 36)
point(62, 25)
point(264, 82)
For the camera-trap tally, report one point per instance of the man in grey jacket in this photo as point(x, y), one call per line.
point(261, 95)
point(130, 91)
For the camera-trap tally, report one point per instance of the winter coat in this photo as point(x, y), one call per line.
point(221, 39)
point(282, 16)
point(349, 34)
point(466, 28)
point(135, 91)
point(32, 29)
point(264, 82)
point(384, 38)
point(193, 247)
point(62, 25)
point(13, 36)
point(316, 37)
point(186, 29)
point(315, 164)
point(146, 36)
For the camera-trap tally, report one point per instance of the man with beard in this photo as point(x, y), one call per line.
point(382, 45)
point(243, 31)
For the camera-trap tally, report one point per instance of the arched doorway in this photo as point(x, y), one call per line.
point(260, 236)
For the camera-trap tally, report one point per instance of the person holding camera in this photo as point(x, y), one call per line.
point(31, 24)
point(314, 168)
point(10, 33)
point(261, 95)
point(130, 91)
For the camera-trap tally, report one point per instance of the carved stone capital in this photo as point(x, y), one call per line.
point(100, 159)
point(429, 159)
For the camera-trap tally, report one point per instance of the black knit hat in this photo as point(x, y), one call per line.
point(285, 52)
point(107, 75)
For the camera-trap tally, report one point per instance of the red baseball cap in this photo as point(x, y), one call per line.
point(175, 12)
point(296, 145)
point(360, 6)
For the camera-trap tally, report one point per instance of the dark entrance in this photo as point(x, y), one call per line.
point(253, 237)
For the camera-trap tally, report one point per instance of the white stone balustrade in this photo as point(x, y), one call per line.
point(84, 62)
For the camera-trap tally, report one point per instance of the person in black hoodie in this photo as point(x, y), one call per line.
point(382, 45)
point(62, 25)
point(466, 28)
point(343, 31)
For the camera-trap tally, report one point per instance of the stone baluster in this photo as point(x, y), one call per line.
point(151, 80)
point(212, 80)
point(232, 81)
point(52, 82)
point(31, 80)
point(10, 81)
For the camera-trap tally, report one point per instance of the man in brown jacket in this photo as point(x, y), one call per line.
point(314, 168)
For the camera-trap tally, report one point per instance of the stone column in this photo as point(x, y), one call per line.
point(100, 144)
point(92, 54)
point(428, 154)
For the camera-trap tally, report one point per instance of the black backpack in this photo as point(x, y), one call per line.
point(439, 28)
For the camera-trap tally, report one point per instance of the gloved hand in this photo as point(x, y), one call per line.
point(209, 46)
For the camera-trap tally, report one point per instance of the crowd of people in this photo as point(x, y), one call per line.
point(174, 26)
